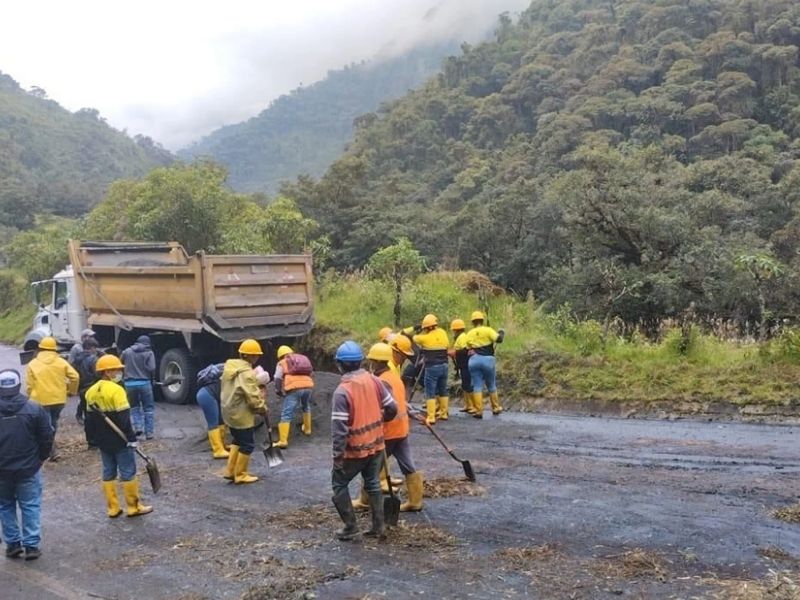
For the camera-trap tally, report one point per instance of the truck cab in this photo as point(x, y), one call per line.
point(60, 313)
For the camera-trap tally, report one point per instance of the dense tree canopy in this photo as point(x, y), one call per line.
point(617, 155)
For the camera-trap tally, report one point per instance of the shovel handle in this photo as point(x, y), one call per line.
point(118, 431)
point(438, 439)
point(388, 476)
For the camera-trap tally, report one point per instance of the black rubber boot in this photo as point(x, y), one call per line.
point(378, 529)
point(344, 507)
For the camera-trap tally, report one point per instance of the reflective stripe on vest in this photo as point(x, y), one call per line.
point(397, 428)
point(365, 434)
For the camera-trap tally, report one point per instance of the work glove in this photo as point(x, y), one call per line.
point(133, 444)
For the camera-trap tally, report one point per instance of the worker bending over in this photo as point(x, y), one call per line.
point(241, 400)
point(293, 383)
point(107, 398)
point(360, 406)
point(481, 340)
point(433, 343)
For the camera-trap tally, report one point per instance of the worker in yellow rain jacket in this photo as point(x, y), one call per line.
point(395, 432)
point(49, 379)
point(460, 355)
point(433, 343)
point(108, 396)
point(481, 341)
point(293, 383)
point(241, 400)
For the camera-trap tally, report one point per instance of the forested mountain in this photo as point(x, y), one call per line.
point(55, 161)
point(631, 158)
point(305, 131)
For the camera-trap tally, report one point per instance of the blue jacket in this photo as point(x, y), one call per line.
point(26, 437)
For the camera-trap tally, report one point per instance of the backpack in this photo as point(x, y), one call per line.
point(298, 364)
point(210, 374)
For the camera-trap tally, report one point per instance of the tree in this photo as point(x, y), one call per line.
point(398, 263)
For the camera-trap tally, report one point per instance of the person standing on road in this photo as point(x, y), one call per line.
point(434, 344)
point(26, 438)
point(293, 383)
point(481, 341)
point(85, 364)
point(77, 347)
point(360, 406)
point(241, 400)
point(140, 370)
point(209, 388)
point(49, 379)
point(460, 356)
point(395, 432)
point(117, 455)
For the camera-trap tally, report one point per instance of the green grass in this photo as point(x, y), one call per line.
point(15, 323)
point(555, 356)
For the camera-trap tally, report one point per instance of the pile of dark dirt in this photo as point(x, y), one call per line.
point(790, 514)
point(633, 564)
point(296, 583)
point(447, 487)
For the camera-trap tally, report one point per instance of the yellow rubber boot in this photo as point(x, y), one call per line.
point(477, 399)
point(230, 470)
point(135, 506)
point(215, 439)
point(307, 423)
point(112, 501)
point(362, 502)
point(240, 474)
point(430, 406)
point(444, 408)
point(494, 400)
point(414, 487)
point(467, 399)
point(283, 435)
point(224, 432)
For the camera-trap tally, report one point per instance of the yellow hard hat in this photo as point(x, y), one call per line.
point(48, 343)
point(251, 348)
point(380, 352)
point(478, 316)
point(402, 344)
point(430, 321)
point(283, 351)
point(384, 333)
point(457, 325)
point(108, 362)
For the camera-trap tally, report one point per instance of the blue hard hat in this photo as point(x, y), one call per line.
point(349, 352)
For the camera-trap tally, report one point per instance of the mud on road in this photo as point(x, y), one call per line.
point(563, 508)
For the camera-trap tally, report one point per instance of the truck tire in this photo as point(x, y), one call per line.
point(178, 362)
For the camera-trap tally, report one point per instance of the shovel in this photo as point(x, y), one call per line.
point(468, 472)
point(391, 505)
point(273, 454)
point(150, 463)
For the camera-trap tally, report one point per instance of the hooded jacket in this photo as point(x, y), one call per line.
point(49, 379)
point(240, 397)
point(85, 363)
point(26, 437)
point(139, 360)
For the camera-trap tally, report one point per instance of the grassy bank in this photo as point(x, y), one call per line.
point(556, 357)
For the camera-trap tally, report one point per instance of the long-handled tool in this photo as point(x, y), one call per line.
point(470, 474)
point(272, 453)
point(391, 505)
point(149, 462)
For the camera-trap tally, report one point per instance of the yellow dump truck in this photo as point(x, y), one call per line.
point(195, 309)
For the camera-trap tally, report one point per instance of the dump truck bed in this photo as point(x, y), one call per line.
point(159, 286)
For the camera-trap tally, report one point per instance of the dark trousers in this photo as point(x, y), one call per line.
point(462, 361)
point(368, 468)
point(245, 439)
point(401, 450)
point(80, 414)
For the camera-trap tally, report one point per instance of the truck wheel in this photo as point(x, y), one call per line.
point(178, 363)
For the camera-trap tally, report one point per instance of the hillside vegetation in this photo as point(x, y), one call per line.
point(58, 162)
point(633, 159)
point(305, 131)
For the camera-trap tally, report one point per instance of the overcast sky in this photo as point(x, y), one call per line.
point(177, 69)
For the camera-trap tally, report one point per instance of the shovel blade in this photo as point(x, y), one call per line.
point(273, 455)
point(391, 510)
point(468, 472)
point(153, 475)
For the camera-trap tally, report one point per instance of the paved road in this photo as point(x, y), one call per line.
point(567, 508)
